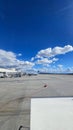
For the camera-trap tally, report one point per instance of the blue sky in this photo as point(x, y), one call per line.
point(29, 26)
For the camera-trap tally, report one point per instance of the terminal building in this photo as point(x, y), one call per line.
point(4, 72)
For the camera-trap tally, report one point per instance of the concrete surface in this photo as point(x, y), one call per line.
point(15, 95)
point(51, 114)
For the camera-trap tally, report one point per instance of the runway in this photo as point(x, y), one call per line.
point(16, 94)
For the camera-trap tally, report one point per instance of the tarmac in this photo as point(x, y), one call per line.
point(16, 94)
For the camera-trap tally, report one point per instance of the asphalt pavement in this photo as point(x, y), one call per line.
point(16, 94)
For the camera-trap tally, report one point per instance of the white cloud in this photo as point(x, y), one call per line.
point(26, 64)
point(69, 70)
point(19, 54)
point(60, 66)
point(56, 69)
point(9, 59)
point(44, 58)
point(46, 61)
point(52, 52)
point(44, 70)
point(61, 69)
point(47, 56)
point(32, 59)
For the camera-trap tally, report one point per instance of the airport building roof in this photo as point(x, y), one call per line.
point(7, 70)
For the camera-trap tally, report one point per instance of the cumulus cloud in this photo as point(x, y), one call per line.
point(9, 59)
point(52, 52)
point(44, 70)
point(46, 61)
point(44, 58)
point(32, 59)
point(62, 69)
point(25, 65)
point(69, 70)
point(19, 54)
point(56, 69)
